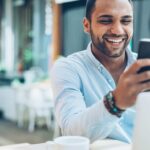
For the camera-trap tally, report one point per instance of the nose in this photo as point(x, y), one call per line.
point(117, 28)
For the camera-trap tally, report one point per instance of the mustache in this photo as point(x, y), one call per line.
point(115, 36)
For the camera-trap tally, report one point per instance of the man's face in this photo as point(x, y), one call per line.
point(111, 26)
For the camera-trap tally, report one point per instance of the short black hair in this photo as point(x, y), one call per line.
point(90, 5)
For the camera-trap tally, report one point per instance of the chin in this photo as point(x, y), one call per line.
point(115, 54)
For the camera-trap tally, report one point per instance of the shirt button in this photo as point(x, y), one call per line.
point(99, 67)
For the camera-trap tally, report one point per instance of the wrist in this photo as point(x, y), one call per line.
point(118, 103)
point(110, 104)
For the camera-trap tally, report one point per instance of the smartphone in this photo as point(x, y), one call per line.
point(144, 52)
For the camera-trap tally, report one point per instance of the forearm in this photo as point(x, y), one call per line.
point(93, 122)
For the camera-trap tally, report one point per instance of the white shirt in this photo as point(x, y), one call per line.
point(80, 82)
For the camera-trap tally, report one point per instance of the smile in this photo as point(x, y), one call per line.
point(117, 41)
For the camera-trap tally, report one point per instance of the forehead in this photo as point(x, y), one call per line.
point(113, 7)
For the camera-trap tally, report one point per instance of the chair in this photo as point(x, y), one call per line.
point(38, 106)
point(21, 103)
point(36, 102)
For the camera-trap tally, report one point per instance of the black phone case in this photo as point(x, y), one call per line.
point(144, 52)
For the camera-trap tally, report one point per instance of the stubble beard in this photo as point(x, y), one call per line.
point(101, 46)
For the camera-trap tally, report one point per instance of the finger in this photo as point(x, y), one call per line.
point(143, 86)
point(137, 65)
point(141, 77)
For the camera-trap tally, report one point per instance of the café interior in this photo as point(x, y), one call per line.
point(33, 34)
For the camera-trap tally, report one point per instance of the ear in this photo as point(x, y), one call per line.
point(86, 25)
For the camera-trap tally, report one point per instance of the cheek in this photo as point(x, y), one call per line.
point(98, 30)
point(129, 31)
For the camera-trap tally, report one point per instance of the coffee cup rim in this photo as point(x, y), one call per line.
point(84, 140)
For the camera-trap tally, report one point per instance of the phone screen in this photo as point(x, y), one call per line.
point(144, 52)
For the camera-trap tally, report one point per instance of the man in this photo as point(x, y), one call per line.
point(95, 89)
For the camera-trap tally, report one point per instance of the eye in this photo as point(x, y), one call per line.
point(126, 21)
point(105, 21)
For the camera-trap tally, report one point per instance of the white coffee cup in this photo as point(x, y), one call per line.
point(69, 143)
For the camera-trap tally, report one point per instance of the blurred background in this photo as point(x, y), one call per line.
point(33, 34)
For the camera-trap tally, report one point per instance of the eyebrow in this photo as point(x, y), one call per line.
point(128, 16)
point(105, 16)
point(110, 16)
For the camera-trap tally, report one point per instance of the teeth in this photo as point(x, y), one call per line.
point(115, 41)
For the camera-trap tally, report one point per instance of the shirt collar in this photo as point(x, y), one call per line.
point(92, 57)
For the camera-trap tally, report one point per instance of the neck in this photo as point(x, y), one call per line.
point(115, 65)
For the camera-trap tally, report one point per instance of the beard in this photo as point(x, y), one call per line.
point(101, 45)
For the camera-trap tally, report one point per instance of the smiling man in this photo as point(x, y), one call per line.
point(95, 89)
